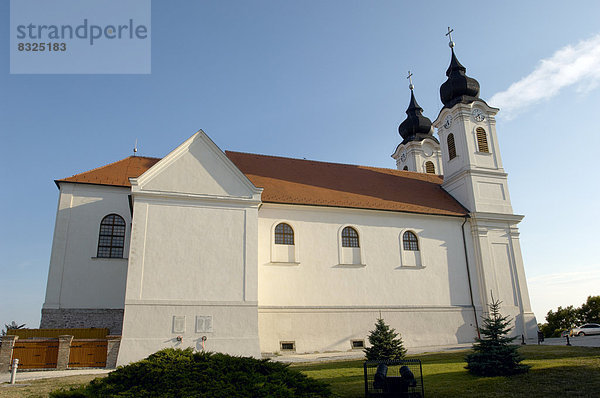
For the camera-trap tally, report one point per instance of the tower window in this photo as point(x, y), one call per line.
point(111, 239)
point(284, 234)
point(410, 241)
point(349, 237)
point(405, 168)
point(429, 167)
point(451, 147)
point(482, 144)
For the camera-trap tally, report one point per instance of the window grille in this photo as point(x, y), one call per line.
point(111, 239)
point(410, 241)
point(287, 345)
point(358, 344)
point(349, 237)
point(284, 234)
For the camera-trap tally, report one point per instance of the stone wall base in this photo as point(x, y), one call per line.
point(83, 318)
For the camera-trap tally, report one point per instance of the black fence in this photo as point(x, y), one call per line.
point(394, 378)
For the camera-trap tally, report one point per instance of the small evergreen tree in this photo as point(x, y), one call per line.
point(494, 355)
point(385, 343)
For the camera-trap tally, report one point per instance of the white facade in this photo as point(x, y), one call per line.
point(322, 304)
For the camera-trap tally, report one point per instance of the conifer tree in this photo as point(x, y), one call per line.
point(494, 355)
point(385, 343)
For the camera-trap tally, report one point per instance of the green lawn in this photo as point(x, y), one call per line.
point(557, 371)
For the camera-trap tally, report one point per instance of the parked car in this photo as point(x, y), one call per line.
point(587, 329)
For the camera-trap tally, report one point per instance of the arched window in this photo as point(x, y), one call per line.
point(405, 168)
point(112, 237)
point(451, 147)
point(349, 237)
point(410, 241)
point(429, 167)
point(284, 234)
point(482, 144)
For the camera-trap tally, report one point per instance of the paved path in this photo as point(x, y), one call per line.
point(576, 341)
point(586, 341)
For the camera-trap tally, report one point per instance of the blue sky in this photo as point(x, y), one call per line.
point(324, 80)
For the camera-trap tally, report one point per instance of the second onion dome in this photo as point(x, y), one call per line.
point(415, 127)
point(459, 87)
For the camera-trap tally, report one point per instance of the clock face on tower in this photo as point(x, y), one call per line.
point(448, 121)
point(478, 115)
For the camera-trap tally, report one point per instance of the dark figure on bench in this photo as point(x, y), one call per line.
point(394, 386)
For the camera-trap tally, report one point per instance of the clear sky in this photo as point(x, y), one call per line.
point(323, 80)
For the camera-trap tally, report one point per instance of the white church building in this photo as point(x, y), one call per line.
point(253, 254)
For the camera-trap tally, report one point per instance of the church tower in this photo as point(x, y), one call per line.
point(473, 174)
point(419, 150)
point(466, 125)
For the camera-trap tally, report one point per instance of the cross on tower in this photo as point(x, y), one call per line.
point(449, 34)
point(409, 77)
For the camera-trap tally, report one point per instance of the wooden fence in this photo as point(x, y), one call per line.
point(89, 353)
point(36, 354)
point(60, 353)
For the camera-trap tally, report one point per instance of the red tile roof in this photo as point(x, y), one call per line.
point(116, 173)
point(307, 182)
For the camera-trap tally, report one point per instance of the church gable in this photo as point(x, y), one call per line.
point(197, 167)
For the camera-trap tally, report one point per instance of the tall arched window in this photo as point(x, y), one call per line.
point(284, 234)
point(112, 237)
point(482, 144)
point(451, 147)
point(410, 242)
point(429, 167)
point(349, 237)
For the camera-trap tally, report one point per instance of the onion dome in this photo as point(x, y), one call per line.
point(459, 87)
point(415, 127)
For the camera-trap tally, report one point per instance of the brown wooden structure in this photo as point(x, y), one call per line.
point(88, 353)
point(83, 333)
point(36, 354)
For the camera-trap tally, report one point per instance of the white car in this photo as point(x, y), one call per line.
point(587, 329)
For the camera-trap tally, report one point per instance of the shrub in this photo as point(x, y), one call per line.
point(494, 355)
point(183, 373)
point(385, 343)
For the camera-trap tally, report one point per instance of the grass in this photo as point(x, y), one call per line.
point(556, 371)
point(41, 388)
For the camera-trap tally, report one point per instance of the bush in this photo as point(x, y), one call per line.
point(494, 355)
point(183, 373)
point(385, 343)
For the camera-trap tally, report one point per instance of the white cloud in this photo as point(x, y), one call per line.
point(571, 65)
point(548, 292)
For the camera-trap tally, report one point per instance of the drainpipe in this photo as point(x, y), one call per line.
point(462, 227)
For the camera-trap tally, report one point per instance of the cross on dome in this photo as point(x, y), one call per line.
point(449, 34)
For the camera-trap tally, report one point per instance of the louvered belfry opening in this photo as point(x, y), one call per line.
point(451, 146)
point(429, 167)
point(482, 143)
